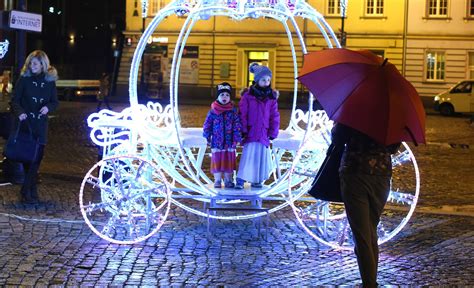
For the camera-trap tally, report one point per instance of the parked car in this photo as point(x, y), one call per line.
point(458, 99)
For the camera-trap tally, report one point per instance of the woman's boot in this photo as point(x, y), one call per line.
point(26, 196)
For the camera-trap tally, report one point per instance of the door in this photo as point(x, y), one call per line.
point(260, 57)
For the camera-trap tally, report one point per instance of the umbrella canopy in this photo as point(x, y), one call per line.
point(365, 92)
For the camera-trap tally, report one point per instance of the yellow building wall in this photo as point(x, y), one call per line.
point(232, 38)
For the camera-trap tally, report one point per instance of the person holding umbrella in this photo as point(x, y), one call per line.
point(374, 108)
point(365, 174)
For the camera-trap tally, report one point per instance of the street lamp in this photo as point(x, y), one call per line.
point(343, 7)
point(142, 88)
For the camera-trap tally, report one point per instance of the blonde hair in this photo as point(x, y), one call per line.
point(46, 68)
point(41, 57)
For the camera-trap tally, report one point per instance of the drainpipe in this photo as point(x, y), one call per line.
point(405, 40)
point(20, 49)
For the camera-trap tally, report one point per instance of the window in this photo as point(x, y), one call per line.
point(463, 87)
point(374, 8)
point(435, 65)
point(470, 8)
point(261, 57)
point(437, 8)
point(334, 7)
point(155, 6)
point(471, 65)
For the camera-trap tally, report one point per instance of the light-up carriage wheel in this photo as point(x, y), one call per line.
point(124, 199)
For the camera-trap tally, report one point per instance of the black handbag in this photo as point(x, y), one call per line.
point(21, 146)
point(326, 185)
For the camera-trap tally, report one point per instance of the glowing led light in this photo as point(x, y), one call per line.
point(4, 48)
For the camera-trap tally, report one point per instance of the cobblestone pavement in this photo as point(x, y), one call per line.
point(49, 244)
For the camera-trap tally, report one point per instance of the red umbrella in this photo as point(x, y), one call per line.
point(364, 91)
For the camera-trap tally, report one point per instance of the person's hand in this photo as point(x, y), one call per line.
point(44, 110)
point(277, 93)
point(22, 116)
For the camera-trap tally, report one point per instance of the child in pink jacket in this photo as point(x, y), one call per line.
point(260, 121)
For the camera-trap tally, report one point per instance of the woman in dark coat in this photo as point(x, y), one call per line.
point(365, 173)
point(35, 97)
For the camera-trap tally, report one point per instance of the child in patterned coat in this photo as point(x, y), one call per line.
point(222, 129)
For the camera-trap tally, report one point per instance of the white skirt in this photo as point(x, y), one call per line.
point(255, 163)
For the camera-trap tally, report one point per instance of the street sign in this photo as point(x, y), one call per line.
point(25, 21)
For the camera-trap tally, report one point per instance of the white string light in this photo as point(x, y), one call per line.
point(4, 48)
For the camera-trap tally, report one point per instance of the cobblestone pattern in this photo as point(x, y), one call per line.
point(59, 249)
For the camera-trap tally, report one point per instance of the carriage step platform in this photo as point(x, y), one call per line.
point(227, 200)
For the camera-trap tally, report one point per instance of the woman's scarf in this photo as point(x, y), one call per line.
point(218, 108)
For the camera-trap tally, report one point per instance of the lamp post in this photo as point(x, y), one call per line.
point(144, 6)
point(343, 7)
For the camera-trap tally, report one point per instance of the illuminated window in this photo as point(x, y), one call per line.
point(155, 6)
point(260, 57)
point(435, 65)
point(334, 7)
point(470, 8)
point(437, 8)
point(374, 8)
point(471, 65)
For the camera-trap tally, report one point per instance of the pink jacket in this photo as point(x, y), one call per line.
point(260, 119)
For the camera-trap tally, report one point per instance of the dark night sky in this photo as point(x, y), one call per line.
point(93, 24)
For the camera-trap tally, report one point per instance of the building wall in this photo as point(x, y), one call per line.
point(398, 34)
point(453, 35)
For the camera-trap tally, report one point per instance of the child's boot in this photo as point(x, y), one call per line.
point(229, 183)
point(218, 183)
point(239, 184)
point(257, 185)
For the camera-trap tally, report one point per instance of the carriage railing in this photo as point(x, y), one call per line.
point(149, 133)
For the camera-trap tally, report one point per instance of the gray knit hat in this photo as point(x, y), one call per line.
point(259, 71)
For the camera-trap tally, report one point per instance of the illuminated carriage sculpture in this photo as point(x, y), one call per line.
point(151, 161)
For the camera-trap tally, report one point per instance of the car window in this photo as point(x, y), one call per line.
point(464, 87)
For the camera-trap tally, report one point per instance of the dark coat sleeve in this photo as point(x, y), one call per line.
point(16, 101)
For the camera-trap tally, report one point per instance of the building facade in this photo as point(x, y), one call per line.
point(410, 33)
point(440, 44)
